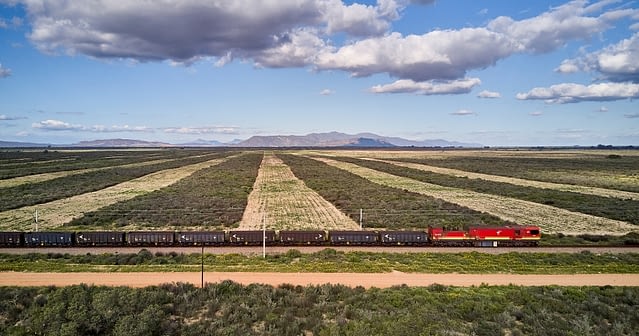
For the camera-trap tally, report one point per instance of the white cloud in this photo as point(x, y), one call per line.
point(489, 94)
point(554, 28)
point(298, 33)
point(441, 55)
point(56, 125)
point(463, 112)
point(602, 109)
point(202, 130)
point(428, 88)
point(326, 92)
point(536, 113)
point(6, 117)
point(4, 72)
point(300, 49)
point(572, 93)
point(617, 62)
point(632, 115)
point(185, 31)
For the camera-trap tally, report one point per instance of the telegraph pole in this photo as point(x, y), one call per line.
point(361, 218)
point(202, 265)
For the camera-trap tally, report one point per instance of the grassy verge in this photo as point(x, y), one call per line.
point(329, 260)
point(630, 239)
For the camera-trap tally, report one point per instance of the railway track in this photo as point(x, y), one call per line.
point(257, 250)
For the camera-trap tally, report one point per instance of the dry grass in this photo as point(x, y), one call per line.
point(550, 219)
point(56, 213)
point(287, 203)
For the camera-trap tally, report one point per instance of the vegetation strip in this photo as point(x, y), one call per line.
point(211, 198)
point(54, 214)
point(67, 186)
point(228, 308)
point(383, 206)
point(16, 163)
point(609, 170)
point(331, 261)
point(38, 178)
point(518, 181)
point(550, 219)
point(286, 203)
point(613, 208)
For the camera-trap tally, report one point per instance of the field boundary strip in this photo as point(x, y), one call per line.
point(287, 203)
point(516, 181)
point(56, 213)
point(550, 219)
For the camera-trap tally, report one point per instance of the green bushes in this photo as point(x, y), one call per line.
point(228, 308)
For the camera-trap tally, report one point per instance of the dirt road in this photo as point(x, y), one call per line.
point(379, 280)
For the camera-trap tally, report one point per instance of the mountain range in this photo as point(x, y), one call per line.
point(331, 139)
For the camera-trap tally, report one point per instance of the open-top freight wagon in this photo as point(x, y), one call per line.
point(474, 236)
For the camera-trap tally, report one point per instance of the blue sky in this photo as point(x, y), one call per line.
point(499, 73)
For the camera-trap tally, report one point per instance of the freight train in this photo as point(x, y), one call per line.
point(474, 236)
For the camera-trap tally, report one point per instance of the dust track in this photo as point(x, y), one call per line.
point(367, 280)
point(285, 202)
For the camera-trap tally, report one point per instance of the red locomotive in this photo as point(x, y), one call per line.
point(483, 236)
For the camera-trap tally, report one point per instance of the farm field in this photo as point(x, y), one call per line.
point(285, 203)
point(550, 219)
point(307, 190)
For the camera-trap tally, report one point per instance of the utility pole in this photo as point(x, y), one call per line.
point(264, 235)
point(361, 218)
point(202, 265)
point(36, 220)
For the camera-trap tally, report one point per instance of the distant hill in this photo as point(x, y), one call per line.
point(331, 139)
point(15, 144)
point(121, 143)
point(336, 139)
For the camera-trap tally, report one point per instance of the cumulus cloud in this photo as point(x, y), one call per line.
point(450, 54)
point(326, 92)
point(618, 62)
point(299, 33)
point(428, 88)
point(572, 93)
point(185, 31)
point(4, 72)
point(489, 94)
point(552, 29)
point(442, 55)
